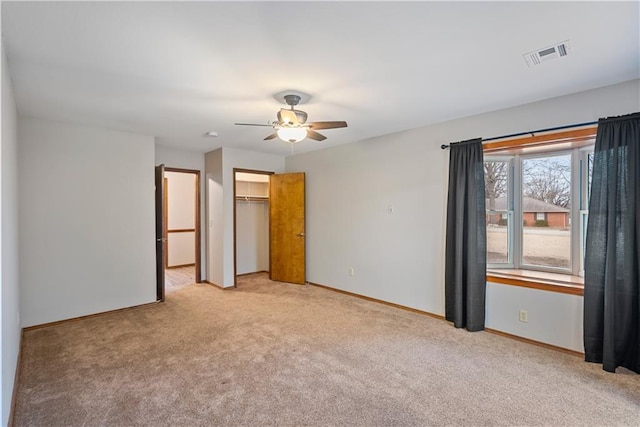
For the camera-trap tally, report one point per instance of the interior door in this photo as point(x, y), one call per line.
point(286, 228)
point(161, 237)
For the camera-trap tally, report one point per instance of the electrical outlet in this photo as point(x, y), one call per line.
point(523, 316)
point(351, 271)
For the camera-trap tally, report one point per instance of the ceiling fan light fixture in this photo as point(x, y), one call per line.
point(292, 135)
point(292, 126)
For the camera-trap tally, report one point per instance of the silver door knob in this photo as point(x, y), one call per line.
point(300, 234)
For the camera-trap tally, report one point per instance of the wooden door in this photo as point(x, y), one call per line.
point(286, 228)
point(161, 237)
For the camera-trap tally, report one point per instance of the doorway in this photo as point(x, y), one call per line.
point(251, 222)
point(182, 228)
point(269, 225)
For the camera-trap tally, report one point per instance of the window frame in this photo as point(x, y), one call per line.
point(583, 207)
point(572, 270)
point(515, 196)
point(509, 211)
point(579, 141)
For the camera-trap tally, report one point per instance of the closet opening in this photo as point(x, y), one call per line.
point(250, 222)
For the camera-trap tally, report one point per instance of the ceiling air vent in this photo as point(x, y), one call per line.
point(548, 53)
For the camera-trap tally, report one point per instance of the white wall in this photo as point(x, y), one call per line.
point(87, 233)
point(214, 217)
point(180, 249)
point(185, 159)
point(219, 165)
point(181, 201)
point(10, 303)
point(181, 215)
point(398, 257)
point(554, 318)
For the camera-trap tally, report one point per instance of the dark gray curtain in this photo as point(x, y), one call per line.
point(612, 272)
point(466, 253)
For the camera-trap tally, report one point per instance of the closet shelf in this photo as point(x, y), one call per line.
point(253, 198)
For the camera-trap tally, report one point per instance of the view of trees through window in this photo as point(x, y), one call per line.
point(543, 223)
point(546, 193)
point(496, 175)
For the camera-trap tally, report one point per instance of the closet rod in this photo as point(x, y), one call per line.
point(252, 198)
point(531, 132)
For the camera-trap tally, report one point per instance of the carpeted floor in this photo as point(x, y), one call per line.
point(270, 353)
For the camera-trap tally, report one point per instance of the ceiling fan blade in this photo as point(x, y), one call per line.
point(252, 124)
point(327, 125)
point(287, 116)
point(311, 134)
point(272, 136)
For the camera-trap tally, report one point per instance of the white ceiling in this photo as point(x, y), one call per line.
point(176, 70)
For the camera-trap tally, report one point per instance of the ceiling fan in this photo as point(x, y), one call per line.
point(292, 125)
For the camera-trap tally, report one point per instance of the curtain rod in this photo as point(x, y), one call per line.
point(532, 132)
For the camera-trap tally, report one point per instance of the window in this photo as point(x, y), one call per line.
point(496, 179)
point(537, 201)
point(546, 191)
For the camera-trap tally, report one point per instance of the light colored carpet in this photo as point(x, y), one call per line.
point(270, 353)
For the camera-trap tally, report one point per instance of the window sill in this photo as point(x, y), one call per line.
point(552, 282)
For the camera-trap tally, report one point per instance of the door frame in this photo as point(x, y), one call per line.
point(198, 225)
point(160, 236)
point(235, 242)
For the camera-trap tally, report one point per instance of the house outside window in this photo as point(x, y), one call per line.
point(531, 199)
